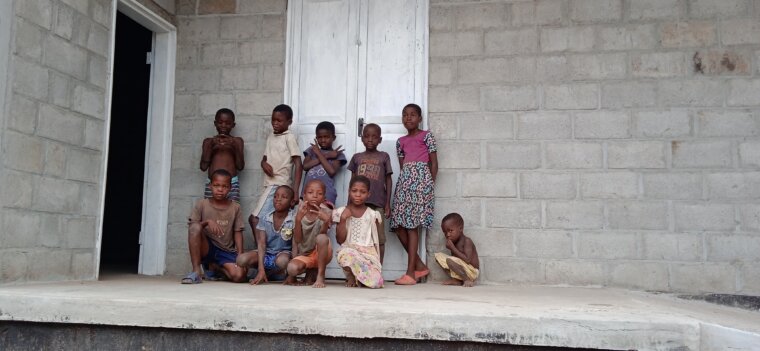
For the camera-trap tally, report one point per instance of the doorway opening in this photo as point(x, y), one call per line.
point(122, 218)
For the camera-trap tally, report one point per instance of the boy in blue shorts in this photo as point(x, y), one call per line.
point(273, 234)
point(215, 233)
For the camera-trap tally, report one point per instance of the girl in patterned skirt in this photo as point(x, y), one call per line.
point(414, 200)
point(357, 232)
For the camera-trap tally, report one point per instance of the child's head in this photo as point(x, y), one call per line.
point(371, 136)
point(221, 182)
point(325, 135)
point(358, 190)
point(224, 121)
point(452, 226)
point(283, 198)
point(314, 191)
point(282, 117)
point(411, 116)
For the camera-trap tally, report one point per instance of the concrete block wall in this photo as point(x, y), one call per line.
point(601, 142)
point(52, 139)
point(230, 54)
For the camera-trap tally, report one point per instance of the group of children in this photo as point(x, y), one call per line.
point(292, 231)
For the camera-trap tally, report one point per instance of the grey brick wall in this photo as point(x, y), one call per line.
point(601, 142)
point(230, 54)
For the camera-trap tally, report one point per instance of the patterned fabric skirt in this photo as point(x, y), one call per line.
point(364, 262)
point(414, 199)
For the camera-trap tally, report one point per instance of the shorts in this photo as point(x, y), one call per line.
point(270, 260)
point(234, 193)
point(218, 256)
point(380, 233)
point(310, 259)
point(266, 201)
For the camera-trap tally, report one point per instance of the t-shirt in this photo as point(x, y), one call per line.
point(278, 240)
point(230, 219)
point(309, 232)
point(279, 150)
point(375, 166)
point(416, 148)
point(318, 172)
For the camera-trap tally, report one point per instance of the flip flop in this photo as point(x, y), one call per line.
point(406, 280)
point(191, 278)
point(421, 274)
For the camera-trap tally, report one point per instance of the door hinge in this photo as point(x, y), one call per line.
point(149, 58)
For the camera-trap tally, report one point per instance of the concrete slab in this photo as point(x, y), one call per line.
point(521, 315)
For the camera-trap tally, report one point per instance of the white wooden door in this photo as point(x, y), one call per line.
point(351, 59)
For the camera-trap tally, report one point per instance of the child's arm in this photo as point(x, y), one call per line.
point(239, 156)
point(261, 248)
point(326, 217)
point(433, 165)
point(297, 230)
point(266, 167)
point(310, 160)
point(467, 254)
point(341, 232)
point(298, 174)
point(388, 187)
point(206, 153)
point(239, 241)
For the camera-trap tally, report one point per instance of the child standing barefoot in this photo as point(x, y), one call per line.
point(357, 232)
point(414, 200)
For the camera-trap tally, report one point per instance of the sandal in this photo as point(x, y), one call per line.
point(421, 274)
point(192, 278)
point(406, 280)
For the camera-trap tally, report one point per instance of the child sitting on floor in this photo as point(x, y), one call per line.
point(357, 232)
point(463, 265)
point(311, 245)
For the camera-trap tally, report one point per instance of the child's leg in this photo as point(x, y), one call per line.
point(282, 260)
point(382, 252)
point(248, 259)
point(456, 268)
point(236, 273)
point(403, 237)
point(350, 278)
point(324, 255)
point(198, 246)
point(295, 267)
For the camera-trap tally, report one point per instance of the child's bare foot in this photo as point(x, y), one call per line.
point(451, 281)
point(310, 277)
point(320, 283)
point(468, 283)
point(350, 278)
point(457, 268)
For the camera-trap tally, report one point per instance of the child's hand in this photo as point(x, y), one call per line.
point(387, 211)
point(261, 277)
point(346, 213)
point(325, 216)
point(303, 209)
point(214, 227)
point(450, 244)
point(333, 154)
point(267, 168)
point(315, 146)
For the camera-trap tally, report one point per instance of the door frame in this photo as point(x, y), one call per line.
point(156, 178)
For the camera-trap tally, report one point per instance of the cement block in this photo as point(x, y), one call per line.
point(272, 77)
point(97, 41)
point(51, 231)
point(219, 54)
point(79, 5)
point(489, 184)
point(235, 78)
point(208, 7)
point(609, 185)
point(176, 236)
point(84, 165)
point(662, 123)
point(508, 98)
point(13, 265)
point(724, 8)
point(675, 186)
point(749, 154)
point(101, 12)
point(661, 246)
point(537, 12)
point(512, 155)
point(83, 266)
point(93, 134)
point(513, 214)
point(548, 185)
point(56, 195)
point(210, 103)
point(187, 182)
point(608, 245)
point(21, 229)
point(552, 68)
point(470, 209)
point(658, 65)
point(483, 15)
point(197, 29)
point(631, 37)
point(703, 277)
point(259, 104)
point(750, 217)
point(185, 105)
point(572, 39)
point(17, 189)
point(492, 242)
point(496, 126)
point(262, 6)
point(456, 44)
point(497, 70)
point(637, 154)
point(444, 126)
point(606, 124)
point(454, 99)
point(97, 71)
point(441, 72)
point(60, 89)
point(178, 261)
point(61, 55)
point(688, 34)
point(640, 275)
point(740, 31)
point(512, 270)
point(704, 216)
point(187, 54)
point(80, 232)
point(544, 125)
point(544, 244)
point(576, 272)
point(441, 18)
point(702, 154)
point(740, 92)
point(262, 51)
point(446, 184)
point(24, 152)
point(55, 159)
point(573, 155)
point(733, 185)
point(49, 265)
point(629, 94)
point(638, 215)
point(30, 79)
point(750, 280)
point(60, 125)
point(722, 63)
point(273, 26)
point(575, 215)
point(656, 9)
point(458, 154)
point(732, 247)
point(29, 39)
point(593, 11)
point(88, 101)
point(597, 66)
point(23, 114)
point(36, 11)
point(90, 199)
point(691, 93)
point(511, 42)
point(571, 96)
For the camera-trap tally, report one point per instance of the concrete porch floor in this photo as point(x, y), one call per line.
point(522, 315)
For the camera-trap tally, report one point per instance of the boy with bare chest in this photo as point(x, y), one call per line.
point(223, 151)
point(463, 265)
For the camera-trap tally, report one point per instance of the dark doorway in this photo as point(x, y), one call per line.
point(122, 220)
